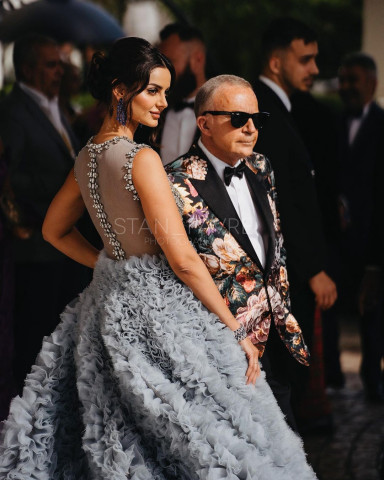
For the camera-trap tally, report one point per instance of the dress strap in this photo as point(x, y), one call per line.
point(178, 197)
point(93, 151)
point(128, 167)
point(128, 178)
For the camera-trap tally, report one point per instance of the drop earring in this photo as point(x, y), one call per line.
point(121, 112)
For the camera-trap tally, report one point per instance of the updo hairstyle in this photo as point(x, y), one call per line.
point(129, 61)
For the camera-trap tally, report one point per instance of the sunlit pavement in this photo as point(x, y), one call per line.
point(355, 449)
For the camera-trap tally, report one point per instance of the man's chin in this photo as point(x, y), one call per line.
point(245, 150)
point(306, 87)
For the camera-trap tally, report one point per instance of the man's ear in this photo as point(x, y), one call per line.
point(27, 74)
point(203, 125)
point(197, 61)
point(274, 63)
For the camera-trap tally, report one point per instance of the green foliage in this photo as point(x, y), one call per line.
point(233, 29)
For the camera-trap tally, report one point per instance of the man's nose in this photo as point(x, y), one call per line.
point(250, 126)
point(314, 68)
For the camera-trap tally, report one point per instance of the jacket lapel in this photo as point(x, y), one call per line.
point(259, 196)
point(214, 193)
point(43, 119)
point(365, 130)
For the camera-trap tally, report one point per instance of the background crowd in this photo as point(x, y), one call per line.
point(328, 165)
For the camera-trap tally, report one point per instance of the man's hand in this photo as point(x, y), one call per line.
point(324, 289)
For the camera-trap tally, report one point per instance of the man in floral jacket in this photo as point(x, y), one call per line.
point(231, 218)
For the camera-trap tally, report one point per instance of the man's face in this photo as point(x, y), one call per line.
point(46, 74)
point(298, 66)
point(179, 53)
point(356, 87)
point(226, 142)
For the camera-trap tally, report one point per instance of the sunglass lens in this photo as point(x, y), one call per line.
point(239, 119)
point(259, 119)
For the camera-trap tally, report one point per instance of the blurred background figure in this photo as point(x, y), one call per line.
point(7, 213)
point(289, 50)
point(184, 46)
point(40, 148)
point(71, 83)
point(361, 155)
point(317, 124)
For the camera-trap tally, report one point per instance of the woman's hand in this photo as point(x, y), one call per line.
point(252, 354)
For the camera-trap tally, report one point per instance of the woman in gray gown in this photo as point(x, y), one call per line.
point(148, 375)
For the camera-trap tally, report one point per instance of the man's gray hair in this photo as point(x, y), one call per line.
point(206, 91)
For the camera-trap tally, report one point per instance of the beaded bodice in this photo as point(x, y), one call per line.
point(104, 174)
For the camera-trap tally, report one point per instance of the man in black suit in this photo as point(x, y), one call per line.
point(289, 64)
point(185, 47)
point(40, 148)
point(231, 218)
point(361, 153)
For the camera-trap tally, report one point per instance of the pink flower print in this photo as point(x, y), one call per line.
point(196, 167)
point(256, 314)
point(246, 282)
point(292, 325)
point(192, 189)
point(229, 252)
point(211, 262)
point(276, 220)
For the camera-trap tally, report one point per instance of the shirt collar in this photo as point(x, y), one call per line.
point(38, 96)
point(366, 108)
point(218, 164)
point(278, 90)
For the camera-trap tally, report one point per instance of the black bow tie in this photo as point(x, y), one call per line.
point(229, 172)
point(182, 105)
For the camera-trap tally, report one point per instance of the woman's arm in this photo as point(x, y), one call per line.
point(59, 224)
point(164, 220)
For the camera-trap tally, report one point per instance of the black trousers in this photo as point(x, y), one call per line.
point(303, 309)
point(372, 347)
point(42, 290)
point(277, 363)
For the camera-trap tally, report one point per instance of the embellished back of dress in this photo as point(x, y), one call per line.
point(103, 172)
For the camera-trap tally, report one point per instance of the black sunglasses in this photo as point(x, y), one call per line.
point(239, 119)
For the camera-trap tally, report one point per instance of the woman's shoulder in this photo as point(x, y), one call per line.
point(118, 142)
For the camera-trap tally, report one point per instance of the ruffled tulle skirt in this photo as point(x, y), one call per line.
point(139, 381)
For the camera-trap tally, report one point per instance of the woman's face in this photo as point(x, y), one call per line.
point(147, 105)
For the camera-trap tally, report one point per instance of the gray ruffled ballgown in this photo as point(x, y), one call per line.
point(139, 380)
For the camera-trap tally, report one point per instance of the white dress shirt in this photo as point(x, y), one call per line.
point(51, 109)
point(278, 90)
point(355, 124)
point(178, 133)
point(240, 195)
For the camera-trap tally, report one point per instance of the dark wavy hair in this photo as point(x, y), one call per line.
point(281, 32)
point(129, 61)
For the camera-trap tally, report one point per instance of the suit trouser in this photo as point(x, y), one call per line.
point(372, 346)
point(42, 290)
point(303, 309)
point(276, 361)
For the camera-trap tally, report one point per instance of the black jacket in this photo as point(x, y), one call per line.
point(300, 215)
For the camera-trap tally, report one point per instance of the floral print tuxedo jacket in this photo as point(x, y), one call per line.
point(255, 295)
